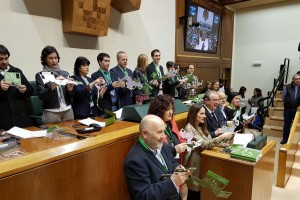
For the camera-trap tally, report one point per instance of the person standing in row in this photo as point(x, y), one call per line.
point(13, 97)
point(155, 67)
point(193, 86)
point(124, 94)
point(109, 99)
point(85, 93)
point(56, 98)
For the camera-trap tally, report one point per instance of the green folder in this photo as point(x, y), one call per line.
point(245, 153)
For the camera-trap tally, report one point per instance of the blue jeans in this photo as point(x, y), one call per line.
point(288, 115)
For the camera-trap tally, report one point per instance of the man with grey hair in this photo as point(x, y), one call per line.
point(148, 160)
point(124, 95)
point(214, 118)
point(291, 100)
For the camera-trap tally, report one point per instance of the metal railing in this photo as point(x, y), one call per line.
point(277, 85)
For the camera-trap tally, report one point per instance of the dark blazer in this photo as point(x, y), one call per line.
point(169, 87)
point(212, 124)
point(13, 105)
point(105, 102)
point(124, 94)
point(82, 98)
point(150, 69)
point(143, 172)
point(49, 97)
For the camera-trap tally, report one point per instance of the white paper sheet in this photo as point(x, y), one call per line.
point(23, 133)
point(242, 138)
point(119, 113)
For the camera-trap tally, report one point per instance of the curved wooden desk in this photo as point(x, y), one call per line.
point(247, 181)
point(90, 169)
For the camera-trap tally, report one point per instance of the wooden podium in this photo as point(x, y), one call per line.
point(247, 181)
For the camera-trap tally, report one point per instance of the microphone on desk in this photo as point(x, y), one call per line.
point(258, 141)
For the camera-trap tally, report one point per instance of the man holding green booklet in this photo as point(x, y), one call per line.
point(14, 88)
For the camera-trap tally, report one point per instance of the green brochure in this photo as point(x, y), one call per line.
point(212, 181)
point(14, 78)
point(111, 119)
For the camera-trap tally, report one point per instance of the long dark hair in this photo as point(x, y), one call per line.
point(191, 118)
point(242, 91)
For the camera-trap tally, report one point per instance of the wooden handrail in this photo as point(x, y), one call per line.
point(287, 153)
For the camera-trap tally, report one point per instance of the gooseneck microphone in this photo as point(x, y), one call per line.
point(259, 141)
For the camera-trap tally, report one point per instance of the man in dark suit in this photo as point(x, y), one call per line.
point(13, 97)
point(291, 100)
point(154, 66)
point(214, 118)
point(109, 99)
point(123, 93)
point(148, 159)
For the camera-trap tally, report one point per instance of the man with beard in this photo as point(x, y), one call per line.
point(13, 97)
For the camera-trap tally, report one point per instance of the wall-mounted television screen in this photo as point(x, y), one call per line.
point(202, 29)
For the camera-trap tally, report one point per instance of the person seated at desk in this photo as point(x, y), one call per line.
point(195, 124)
point(56, 98)
point(86, 93)
point(222, 104)
point(163, 106)
point(232, 109)
point(148, 159)
point(234, 105)
point(214, 118)
point(13, 98)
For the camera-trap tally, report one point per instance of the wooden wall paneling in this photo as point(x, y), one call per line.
point(226, 41)
point(212, 65)
point(88, 17)
point(124, 6)
point(207, 71)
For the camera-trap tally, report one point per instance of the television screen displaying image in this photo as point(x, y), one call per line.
point(202, 30)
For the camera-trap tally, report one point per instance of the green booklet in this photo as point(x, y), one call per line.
point(14, 78)
point(245, 153)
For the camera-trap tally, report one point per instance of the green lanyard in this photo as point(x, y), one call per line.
point(169, 133)
point(145, 78)
point(234, 109)
point(162, 160)
point(87, 83)
point(124, 71)
point(106, 75)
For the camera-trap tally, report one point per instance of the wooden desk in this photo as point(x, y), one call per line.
point(248, 181)
point(74, 169)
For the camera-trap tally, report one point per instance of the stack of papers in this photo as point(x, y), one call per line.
point(245, 153)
